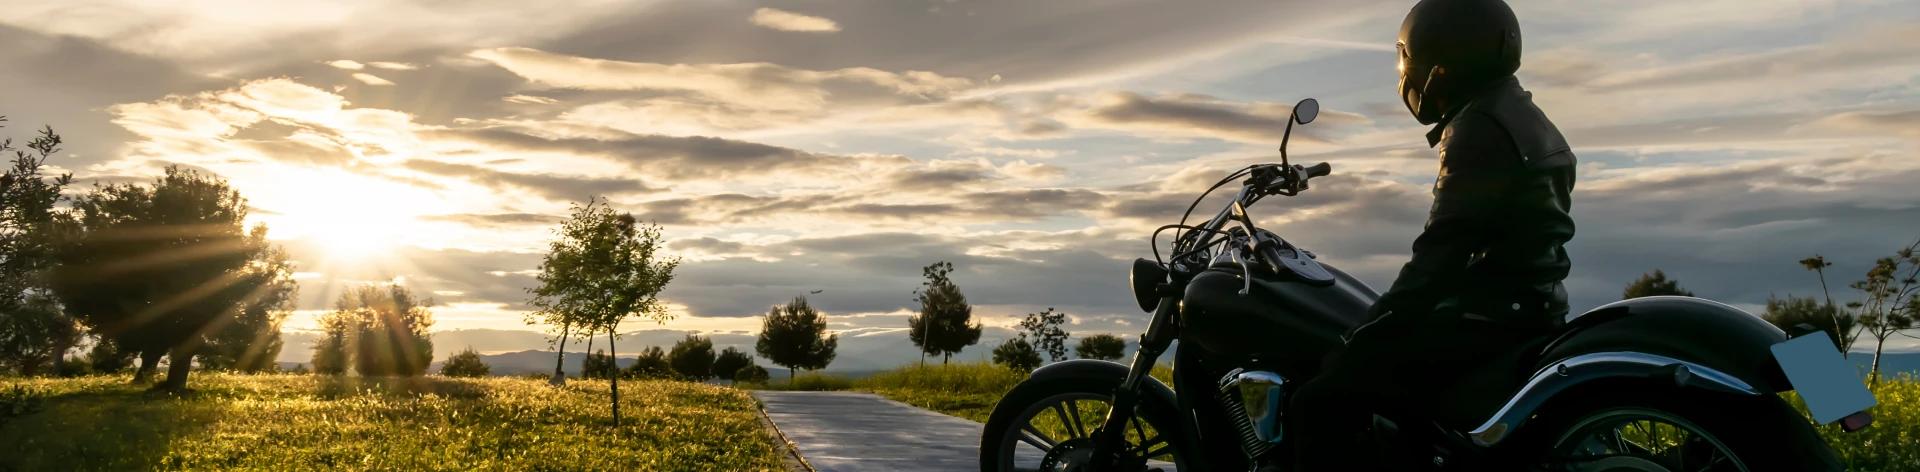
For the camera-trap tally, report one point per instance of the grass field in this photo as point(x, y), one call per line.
point(300, 422)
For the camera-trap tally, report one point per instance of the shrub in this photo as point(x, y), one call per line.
point(1017, 354)
point(1101, 346)
point(751, 375)
point(730, 361)
point(465, 364)
point(598, 365)
point(19, 400)
point(815, 382)
point(652, 364)
point(692, 357)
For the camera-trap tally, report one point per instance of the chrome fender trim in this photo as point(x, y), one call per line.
point(1566, 373)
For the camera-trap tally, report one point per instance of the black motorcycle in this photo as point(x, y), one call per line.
point(1648, 384)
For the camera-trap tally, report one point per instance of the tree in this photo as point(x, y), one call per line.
point(1101, 346)
point(603, 268)
point(251, 343)
point(652, 364)
point(465, 364)
point(1017, 354)
point(692, 358)
point(107, 358)
point(1788, 313)
point(159, 268)
point(945, 324)
point(379, 330)
point(1892, 290)
point(1653, 284)
point(34, 328)
point(729, 361)
point(599, 365)
point(1841, 323)
point(1042, 332)
point(751, 374)
point(795, 336)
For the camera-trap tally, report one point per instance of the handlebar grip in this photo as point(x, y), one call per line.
point(1319, 170)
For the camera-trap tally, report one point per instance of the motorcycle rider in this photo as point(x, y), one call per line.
point(1486, 273)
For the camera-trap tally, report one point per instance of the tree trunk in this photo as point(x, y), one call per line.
point(583, 361)
point(560, 359)
point(944, 357)
point(1834, 312)
point(615, 353)
point(179, 364)
point(149, 361)
point(1873, 373)
point(60, 356)
point(789, 376)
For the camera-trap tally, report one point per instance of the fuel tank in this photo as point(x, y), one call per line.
point(1283, 323)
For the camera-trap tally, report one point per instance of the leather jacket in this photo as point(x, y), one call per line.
point(1494, 240)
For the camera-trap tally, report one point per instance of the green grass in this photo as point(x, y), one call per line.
point(809, 382)
point(298, 422)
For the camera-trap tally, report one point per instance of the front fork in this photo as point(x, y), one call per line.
point(1110, 439)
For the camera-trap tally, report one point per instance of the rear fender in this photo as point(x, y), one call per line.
point(1678, 342)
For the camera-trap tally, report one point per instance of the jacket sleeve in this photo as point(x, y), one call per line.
point(1477, 165)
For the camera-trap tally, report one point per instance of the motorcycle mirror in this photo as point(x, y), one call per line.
point(1305, 111)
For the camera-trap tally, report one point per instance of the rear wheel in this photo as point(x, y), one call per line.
point(1664, 430)
point(1049, 426)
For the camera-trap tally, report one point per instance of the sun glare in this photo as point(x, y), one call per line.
point(352, 218)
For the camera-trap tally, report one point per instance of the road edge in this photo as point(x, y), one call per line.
point(792, 458)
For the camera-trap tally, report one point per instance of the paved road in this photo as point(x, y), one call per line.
point(848, 432)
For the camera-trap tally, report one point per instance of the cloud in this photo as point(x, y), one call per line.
point(392, 65)
point(557, 187)
point(529, 100)
point(346, 64)
point(371, 79)
point(783, 20)
point(1204, 116)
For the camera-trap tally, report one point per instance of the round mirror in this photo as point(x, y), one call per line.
point(1305, 111)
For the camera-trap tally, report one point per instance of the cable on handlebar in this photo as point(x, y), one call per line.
point(1177, 237)
point(1154, 240)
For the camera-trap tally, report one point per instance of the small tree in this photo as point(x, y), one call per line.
point(603, 268)
point(730, 360)
point(466, 363)
point(795, 336)
point(1043, 333)
point(692, 358)
point(1841, 323)
point(34, 328)
point(1892, 290)
point(379, 331)
point(1017, 354)
point(1653, 284)
point(1101, 346)
point(945, 324)
point(751, 374)
point(1788, 313)
point(599, 365)
point(652, 364)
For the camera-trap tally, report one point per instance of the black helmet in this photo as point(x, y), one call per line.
point(1450, 49)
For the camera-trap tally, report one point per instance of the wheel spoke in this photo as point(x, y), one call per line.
point(1069, 414)
point(1031, 435)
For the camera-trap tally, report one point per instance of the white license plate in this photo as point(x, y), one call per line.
point(1831, 387)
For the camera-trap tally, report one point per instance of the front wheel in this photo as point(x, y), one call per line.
point(1048, 425)
point(1662, 430)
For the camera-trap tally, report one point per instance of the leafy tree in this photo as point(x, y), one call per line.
point(945, 324)
point(652, 364)
point(34, 328)
point(599, 365)
point(1892, 290)
point(251, 343)
point(1017, 354)
point(159, 268)
point(1653, 284)
point(1043, 333)
point(299, 369)
point(603, 268)
point(729, 361)
point(379, 330)
point(795, 336)
point(692, 358)
point(1101, 346)
point(465, 363)
point(1788, 313)
point(751, 374)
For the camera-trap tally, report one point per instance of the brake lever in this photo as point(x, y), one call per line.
point(1246, 273)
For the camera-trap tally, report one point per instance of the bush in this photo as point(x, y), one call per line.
point(465, 364)
point(1017, 354)
point(299, 369)
point(692, 358)
point(19, 400)
point(652, 364)
point(751, 375)
point(1101, 346)
point(731, 360)
point(598, 365)
point(814, 382)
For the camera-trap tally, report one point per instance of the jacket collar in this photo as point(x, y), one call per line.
point(1440, 127)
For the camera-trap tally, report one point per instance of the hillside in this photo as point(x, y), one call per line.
point(298, 422)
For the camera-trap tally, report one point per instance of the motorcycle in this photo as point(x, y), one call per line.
point(1647, 384)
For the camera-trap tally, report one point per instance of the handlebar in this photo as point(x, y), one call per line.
point(1318, 170)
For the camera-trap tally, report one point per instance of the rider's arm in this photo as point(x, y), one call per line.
point(1477, 166)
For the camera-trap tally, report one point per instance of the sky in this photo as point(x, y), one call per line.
point(841, 145)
